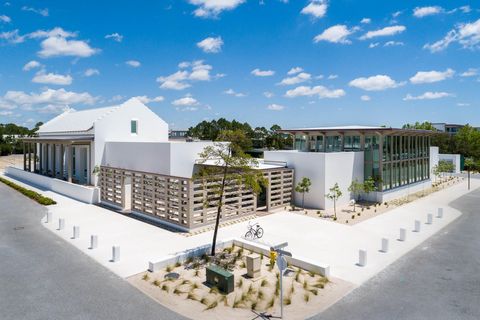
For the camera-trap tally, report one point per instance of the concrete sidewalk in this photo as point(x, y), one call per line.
point(315, 239)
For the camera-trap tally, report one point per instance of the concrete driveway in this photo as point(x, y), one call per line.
point(44, 277)
point(437, 280)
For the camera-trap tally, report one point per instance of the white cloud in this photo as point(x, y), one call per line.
point(47, 100)
point(133, 63)
point(316, 8)
point(366, 20)
point(31, 65)
point(373, 45)
point(6, 113)
point(52, 78)
point(332, 76)
point(374, 83)
point(212, 8)
point(335, 34)
point(471, 72)
point(269, 94)
point(4, 18)
point(463, 104)
point(57, 43)
point(431, 76)
point(115, 37)
point(467, 35)
point(294, 70)
point(262, 73)
point(188, 100)
point(275, 107)
point(365, 98)
point(299, 78)
point(174, 81)
point(393, 44)
point(91, 72)
point(42, 12)
point(145, 99)
point(421, 12)
point(211, 45)
point(428, 96)
point(320, 91)
point(13, 36)
point(196, 71)
point(232, 92)
point(387, 31)
point(465, 9)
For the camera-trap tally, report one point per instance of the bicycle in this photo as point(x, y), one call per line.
point(254, 231)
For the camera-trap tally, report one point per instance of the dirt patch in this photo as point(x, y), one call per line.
point(305, 294)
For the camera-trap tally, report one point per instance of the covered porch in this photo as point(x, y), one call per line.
point(63, 157)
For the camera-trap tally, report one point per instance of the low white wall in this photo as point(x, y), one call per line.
point(398, 192)
point(75, 191)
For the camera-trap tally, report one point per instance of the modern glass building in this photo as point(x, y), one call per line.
point(392, 157)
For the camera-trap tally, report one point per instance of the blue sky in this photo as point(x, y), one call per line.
point(294, 63)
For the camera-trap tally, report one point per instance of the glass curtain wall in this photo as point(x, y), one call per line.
point(405, 160)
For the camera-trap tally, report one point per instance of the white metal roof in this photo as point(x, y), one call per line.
point(260, 164)
point(75, 121)
point(354, 127)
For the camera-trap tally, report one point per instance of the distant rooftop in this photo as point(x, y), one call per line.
point(353, 128)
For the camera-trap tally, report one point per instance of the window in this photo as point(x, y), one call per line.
point(134, 126)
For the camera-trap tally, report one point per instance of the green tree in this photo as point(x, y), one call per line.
point(369, 186)
point(420, 126)
point(470, 165)
point(303, 187)
point(356, 188)
point(231, 168)
point(467, 142)
point(334, 194)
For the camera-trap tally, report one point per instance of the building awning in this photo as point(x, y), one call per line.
point(352, 130)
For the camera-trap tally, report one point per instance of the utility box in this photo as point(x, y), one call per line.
point(220, 278)
point(253, 266)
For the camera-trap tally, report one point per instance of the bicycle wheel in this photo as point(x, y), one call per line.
point(259, 233)
point(249, 234)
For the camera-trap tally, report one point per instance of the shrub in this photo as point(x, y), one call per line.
point(334, 218)
point(358, 214)
point(29, 193)
point(353, 216)
point(240, 283)
point(254, 305)
point(177, 264)
point(287, 301)
point(212, 305)
point(165, 288)
point(306, 297)
point(156, 283)
point(145, 277)
point(346, 221)
point(264, 283)
point(168, 269)
point(314, 291)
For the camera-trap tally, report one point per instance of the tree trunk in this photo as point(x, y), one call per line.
point(219, 211)
point(303, 201)
point(335, 207)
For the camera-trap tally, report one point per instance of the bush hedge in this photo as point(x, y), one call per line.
point(29, 193)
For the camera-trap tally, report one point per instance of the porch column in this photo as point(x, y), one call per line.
point(24, 157)
point(69, 163)
point(47, 158)
point(54, 160)
point(380, 162)
point(40, 158)
point(62, 176)
point(343, 141)
point(34, 157)
point(29, 156)
point(324, 135)
point(362, 141)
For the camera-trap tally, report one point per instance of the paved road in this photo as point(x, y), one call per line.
point(438, 280)
point(43, 277)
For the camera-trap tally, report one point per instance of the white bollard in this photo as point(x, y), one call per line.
point(403, 234)
point(76, 232)
point(384, 245)
point(115, 254)
point(429, 218)
point(49, 217)
point(440, 213)
point(362, 258)
point(93, 241)
point(61, 224)
point(417, 226)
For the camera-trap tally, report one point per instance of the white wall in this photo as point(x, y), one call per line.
point(116, 127)
point(168, 158)
point(323, 170)
point(343, 168)
point(453, 158)
point(74, 191)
